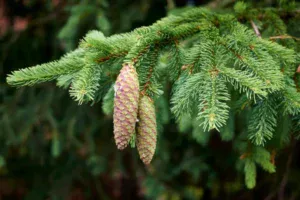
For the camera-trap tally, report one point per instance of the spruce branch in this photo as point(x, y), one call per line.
point(252, 56)
point(185, 95)
point(213, 110)
point(244, 81)
point(250, 173)
point(256, 156)
point(176, 59)
point(263, 158)
point(291, 98)
point(70, 63)
point(282, 55)
point(203, 57)
point(107, 50)
point(262, 121)
point(149, 63)
point(220, 51)
point(85, 84)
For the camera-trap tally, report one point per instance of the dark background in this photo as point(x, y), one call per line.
point(51, 148)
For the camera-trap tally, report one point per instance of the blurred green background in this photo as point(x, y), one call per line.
point(51, 148)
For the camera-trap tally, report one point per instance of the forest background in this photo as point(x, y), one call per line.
point(52, 148)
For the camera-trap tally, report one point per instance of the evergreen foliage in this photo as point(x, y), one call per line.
point(216, 66)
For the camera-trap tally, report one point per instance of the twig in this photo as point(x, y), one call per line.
point(284, 37)
point(286, 175)
point(255, 28)
point(150, 73)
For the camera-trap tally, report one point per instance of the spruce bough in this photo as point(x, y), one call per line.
point(215, 65)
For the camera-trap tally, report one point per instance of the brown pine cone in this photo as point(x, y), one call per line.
point(146, 131)
point(125, 105)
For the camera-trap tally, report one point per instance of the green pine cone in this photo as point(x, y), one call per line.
point(125, 105)
point(146, 131)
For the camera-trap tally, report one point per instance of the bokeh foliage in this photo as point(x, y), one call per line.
point(51, 147)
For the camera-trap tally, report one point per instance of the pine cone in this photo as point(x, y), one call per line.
point(125, 105)
point(146, 131)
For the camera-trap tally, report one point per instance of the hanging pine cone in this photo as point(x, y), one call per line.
point(125, 105)
point(146, 131)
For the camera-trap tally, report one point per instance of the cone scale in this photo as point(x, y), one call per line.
point(125, 105)
point(146, 130)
